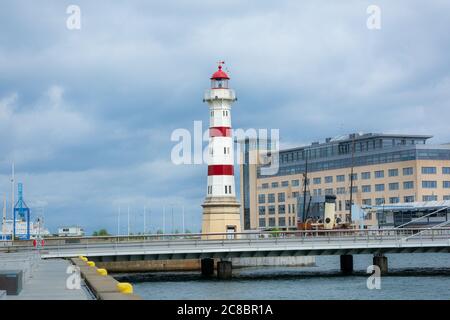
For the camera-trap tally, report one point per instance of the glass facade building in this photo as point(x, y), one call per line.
point(387, 168)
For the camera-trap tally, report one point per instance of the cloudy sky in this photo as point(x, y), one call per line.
point(87, 115)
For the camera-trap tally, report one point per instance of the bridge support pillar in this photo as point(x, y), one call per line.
point(224, 270)
point(382, 262)
point(207, 267)
point(346, 263)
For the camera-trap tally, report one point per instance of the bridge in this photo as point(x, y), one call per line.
point(223, 246)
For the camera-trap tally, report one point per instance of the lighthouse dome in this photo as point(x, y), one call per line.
point(219, 75)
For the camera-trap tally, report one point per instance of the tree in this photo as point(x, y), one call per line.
point(100, 233)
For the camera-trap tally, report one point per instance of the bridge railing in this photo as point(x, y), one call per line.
point(312, 236)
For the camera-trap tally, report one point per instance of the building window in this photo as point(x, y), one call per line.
point(271, 222)
point(262, 222)
point(293, 208)
point(340, 178)
point(295, 194)
point(329, 179)
point(274, 184)
point(365, 175)
point(366, 188)
point(408, 199)
point(379, 174)
point(394, 186)
point(285, 183)
point(429, 198)
point(281, 209)
point(446, 197)
point(271, 197)
point(340, 190)
point(209, 189)
point(408, 185)
point(393, 172)
point(446, 170)
point(261, 198)
point(295, 183)
point(446, 184)
point(281, 197)
point(271, 209)
point(379, 187)
point(347, 204)
point(329, 191)
point(429, 184)
point(394, 200)
point(428, 170)
point(265, 186)
point(317, 180)
point(354, 189)
point(262, 210)
point(226, 189)
point(367, 202)
point(355, 177)
point(282, 222)
point(408, 171)
point(379, 201)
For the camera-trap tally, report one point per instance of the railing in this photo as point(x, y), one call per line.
point(365, 236)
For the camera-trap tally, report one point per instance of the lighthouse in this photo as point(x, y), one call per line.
point(221, 212)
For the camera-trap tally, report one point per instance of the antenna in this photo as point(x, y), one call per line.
point(184, 229)
point(145, 225)
point(4, 216)
point(12, 190)
point(128, 214)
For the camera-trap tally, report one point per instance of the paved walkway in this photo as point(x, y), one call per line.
point(48, 282)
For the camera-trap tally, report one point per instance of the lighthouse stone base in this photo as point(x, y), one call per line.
point(221, 215)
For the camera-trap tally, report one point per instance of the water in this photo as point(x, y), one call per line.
point(411, 276)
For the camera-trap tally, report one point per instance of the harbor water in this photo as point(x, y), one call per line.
point(411, 276)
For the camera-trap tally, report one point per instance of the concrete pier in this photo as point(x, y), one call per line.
point(224, 270)
point(207, 267)
point(45, 280)
point(346, 264)
point(382, 262)
point(103, 286)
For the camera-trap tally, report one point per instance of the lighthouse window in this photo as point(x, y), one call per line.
point(212, 113)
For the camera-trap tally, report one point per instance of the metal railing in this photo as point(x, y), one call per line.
point(311, 237)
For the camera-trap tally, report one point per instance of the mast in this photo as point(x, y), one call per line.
point(12, 202)
point(305, 183)
point(4, 216)
point(351, 174)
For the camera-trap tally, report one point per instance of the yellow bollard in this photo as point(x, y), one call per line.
point(102, 272)
point(125, 287)
point(83, 258)
point(91, 263)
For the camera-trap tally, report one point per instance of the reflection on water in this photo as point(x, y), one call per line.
point(411, 276)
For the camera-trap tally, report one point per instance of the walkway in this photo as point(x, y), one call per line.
point(47, 281)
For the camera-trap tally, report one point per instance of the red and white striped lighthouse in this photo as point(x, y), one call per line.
point(221, 209)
